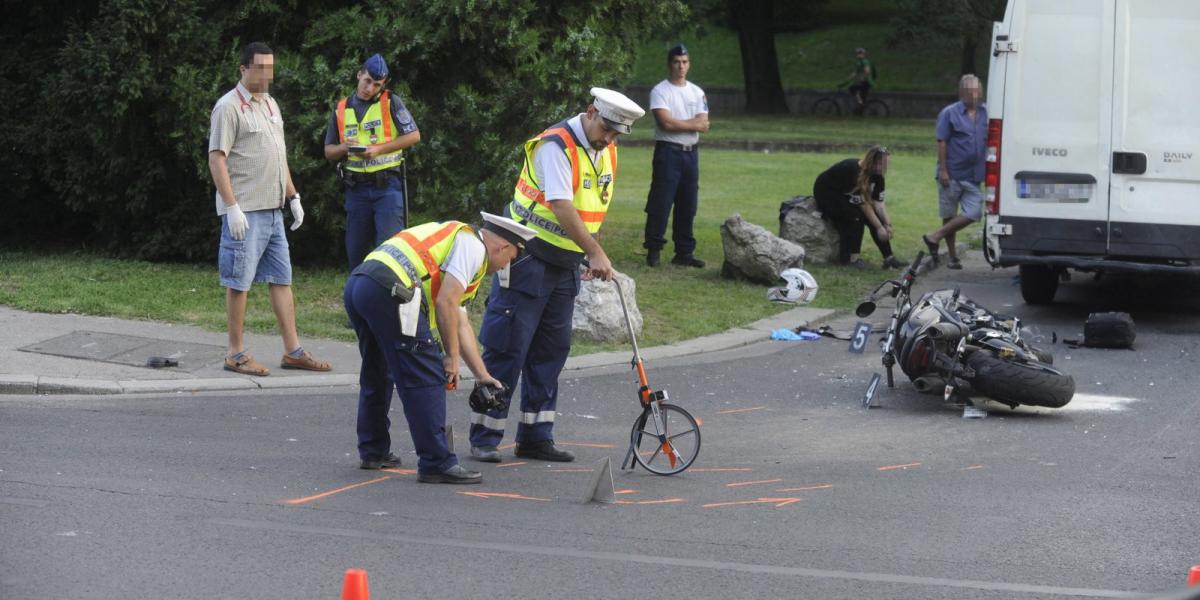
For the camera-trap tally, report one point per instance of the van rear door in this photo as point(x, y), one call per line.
point(1154, 206)
point(1057, 118)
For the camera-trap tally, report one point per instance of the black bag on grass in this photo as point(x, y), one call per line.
point(1109, 330)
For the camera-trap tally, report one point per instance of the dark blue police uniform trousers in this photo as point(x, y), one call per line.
point(526, 335)
point(675, 181)
point(414, 364)
point(373, 214)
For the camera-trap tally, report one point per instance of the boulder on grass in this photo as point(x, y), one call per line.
point(598, 315)
point(800, 221)
point(753, 253)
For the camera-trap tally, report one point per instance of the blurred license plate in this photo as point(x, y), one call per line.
point(1032, 189)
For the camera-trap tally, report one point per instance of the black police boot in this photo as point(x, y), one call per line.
point(652, 257)
point(485, 454)
point(544, 450)
point(391, 461)
point(687, 260)
point(455, 474)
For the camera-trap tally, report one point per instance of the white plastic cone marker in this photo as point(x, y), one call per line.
point(600, 485)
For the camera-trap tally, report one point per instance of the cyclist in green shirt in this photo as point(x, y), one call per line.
point(861, 80)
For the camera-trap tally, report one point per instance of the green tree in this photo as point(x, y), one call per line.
point(113, 148)
point(959, 24)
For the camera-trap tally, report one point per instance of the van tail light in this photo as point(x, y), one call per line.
point(991, 174)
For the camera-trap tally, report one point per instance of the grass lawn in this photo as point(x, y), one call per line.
point(817, 59)
point(676, 303)
point(846, 133)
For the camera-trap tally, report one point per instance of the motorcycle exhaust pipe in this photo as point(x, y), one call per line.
point(929, 385)
point(947, 331)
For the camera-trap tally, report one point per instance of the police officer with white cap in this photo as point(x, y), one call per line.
point(562, 193)
point(405, 297)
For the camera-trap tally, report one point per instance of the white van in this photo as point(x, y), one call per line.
point(1093, 139)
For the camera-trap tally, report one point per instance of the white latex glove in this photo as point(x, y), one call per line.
point(297, 212)
point(237, 222)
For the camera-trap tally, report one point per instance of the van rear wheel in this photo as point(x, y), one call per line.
point(1039, 283)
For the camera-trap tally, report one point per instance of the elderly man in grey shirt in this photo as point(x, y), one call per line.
point(962, 141)
point(247, 156)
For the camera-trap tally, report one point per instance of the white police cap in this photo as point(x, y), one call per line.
point(512, 231)
point(617, 110)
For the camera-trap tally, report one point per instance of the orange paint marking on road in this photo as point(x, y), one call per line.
point(972, 468)
point(805, 489)
point(512, 464)
point(625, 492)
point(568, 470)
point(506, 446)
point(721, 470)
point(699, 421)
point(506, 496)
point(667, 501)
point(332, 492)
point(584, 445)
point(739, 410)
point(400, 471)
point(741, 483)
point(778, 502)
point(894, 467)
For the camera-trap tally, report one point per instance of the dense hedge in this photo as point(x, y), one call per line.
point(106, 131)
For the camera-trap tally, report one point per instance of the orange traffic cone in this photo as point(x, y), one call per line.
point(355, 585)
point(1194, 576)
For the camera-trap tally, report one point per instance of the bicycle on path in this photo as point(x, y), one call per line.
point(842, 102)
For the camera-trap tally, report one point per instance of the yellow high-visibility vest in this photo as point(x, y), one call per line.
point(376, 128)
point(592, 185)
point(415, 256)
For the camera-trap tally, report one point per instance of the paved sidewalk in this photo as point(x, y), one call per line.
point(127, 344)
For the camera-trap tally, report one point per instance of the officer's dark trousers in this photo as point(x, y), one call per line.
point(413, 363)
point(675, 182)
point(526, 335)
point(373, 214)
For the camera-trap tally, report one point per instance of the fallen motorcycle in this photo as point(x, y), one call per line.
point(945, 340)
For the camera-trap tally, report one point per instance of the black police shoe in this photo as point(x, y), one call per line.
point(544, 450)
point(485, 454)
point(455, 474)
point(652, 257)
point(687, 260)
point(391, 461)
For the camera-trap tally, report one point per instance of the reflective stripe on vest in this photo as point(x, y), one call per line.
point(415, 256)
point(592, 186)
point(379, 115)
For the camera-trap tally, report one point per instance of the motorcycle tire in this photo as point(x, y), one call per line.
point(1042, 355)
point(1021, 383)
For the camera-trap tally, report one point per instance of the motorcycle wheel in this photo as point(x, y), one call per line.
point(1042, 355)
point(1022, 383)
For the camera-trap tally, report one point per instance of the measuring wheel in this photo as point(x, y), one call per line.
point(665, 439)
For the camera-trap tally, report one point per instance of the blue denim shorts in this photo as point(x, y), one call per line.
point(960, 193)
point(262, 257)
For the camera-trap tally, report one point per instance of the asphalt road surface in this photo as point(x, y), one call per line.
point(798, 492)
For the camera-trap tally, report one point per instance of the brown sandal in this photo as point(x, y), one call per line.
point(246, 366)
point(306, 362)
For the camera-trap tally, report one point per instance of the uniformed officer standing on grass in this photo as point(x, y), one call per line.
point(370, 130)
point(403, 298)
point(562, 193)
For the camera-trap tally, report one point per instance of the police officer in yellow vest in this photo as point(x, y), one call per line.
point(405, 298)
point(369, 131)
point(562, 193)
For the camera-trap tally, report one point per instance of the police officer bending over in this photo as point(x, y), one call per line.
point(409, 289)
point(369, 132)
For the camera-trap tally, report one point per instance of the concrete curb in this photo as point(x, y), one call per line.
point(733, 338)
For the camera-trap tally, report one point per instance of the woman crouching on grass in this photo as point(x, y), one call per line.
point(850, 194)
